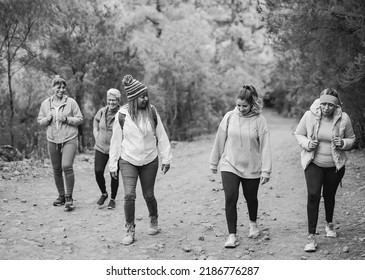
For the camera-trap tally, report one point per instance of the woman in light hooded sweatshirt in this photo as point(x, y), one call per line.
point(324, 133)
point(242, 146)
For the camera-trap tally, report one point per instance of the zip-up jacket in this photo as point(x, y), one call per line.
point(307, 130)
point(60, 132)
point(242, 146)
point(136, 146)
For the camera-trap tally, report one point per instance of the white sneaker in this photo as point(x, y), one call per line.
point(254, 230)
point(330, 230)
point(311, 246)
point(231, 241)
point(153, 227)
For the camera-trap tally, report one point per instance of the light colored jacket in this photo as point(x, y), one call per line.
point(105, 131)
point(307, 130)
point(137, 148)
point(60, 132)
point(245, 148)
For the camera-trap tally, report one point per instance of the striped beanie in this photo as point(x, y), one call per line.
point(133, 87)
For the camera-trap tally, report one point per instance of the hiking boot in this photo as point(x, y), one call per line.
point(102, 199)
point(153, 228)
point(111, 204)
point(311, 245)
point(232, 241)
point(129, 238)
point(69, 203)
point(254, 230)
point(330, 232)
point(59, 201)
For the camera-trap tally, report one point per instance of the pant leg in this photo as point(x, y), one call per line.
point(330, 185)
point(314, 179)
point(129, 176)
point(231, 183)
point(54, 151)
point(68, 155)
point(250, 189)
point(100, 162)
point(114, 184)
point(147, 176)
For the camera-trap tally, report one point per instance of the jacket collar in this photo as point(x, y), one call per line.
point(315, 108)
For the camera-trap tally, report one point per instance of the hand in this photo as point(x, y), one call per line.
point(313, 144)
point(264, 180)
point(214, 170)
point(49, 117)
point(114, 174)
point(165, 168)
point(338, 142)
point(61, 118)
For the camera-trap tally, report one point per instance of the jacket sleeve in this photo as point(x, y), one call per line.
point(42, 115)
point(265, 148)
point(349, 135)
point(219, 142)
point(301, 133)
point(115, 145)
point(163, 145)
point(76, 118)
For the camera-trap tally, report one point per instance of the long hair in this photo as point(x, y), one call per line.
point(249, 94)
point(133, 111)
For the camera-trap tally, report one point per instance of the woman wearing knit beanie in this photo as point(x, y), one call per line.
point(61, 115)
point(138, 139)
point(103, 128)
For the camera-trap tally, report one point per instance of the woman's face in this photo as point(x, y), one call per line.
point(142, 100)
point(59, 90)
point(112, 102)
point(327, 109)
point(243, 106)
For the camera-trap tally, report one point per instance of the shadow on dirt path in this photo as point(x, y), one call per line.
point(191, 211)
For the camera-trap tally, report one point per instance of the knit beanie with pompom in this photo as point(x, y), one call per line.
point(133, 87)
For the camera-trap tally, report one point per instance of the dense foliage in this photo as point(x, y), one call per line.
point(192, 55)
point(319, 44)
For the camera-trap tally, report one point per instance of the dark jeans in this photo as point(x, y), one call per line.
point(231, 183)
point(100, 162)
point(147, 176)
point(316, 177)
point(62, 158)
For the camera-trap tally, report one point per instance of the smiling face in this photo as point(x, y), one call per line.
point(112, 102)
point(243, 106)
point(59, 90)
point(142, 100)
point(327, 109)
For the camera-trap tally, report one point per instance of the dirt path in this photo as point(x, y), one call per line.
point(191, 209)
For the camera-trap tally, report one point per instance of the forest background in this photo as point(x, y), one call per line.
point(193, 56)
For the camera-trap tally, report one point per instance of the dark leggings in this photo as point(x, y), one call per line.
point(100, 162)
point(316, 177)
point(231, 183)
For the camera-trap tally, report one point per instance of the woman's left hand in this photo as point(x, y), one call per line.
point(165, 168)
point(338, 142)
point(264, 180)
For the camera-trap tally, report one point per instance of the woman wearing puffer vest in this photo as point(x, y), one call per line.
point(62, 116)
point(103, 130)
point(324, 133)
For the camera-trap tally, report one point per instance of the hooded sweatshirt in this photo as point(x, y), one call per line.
point(58, 132)
point(137, 142)
point(242, 146)
point(308, 128)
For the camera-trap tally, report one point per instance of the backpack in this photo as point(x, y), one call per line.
point(121, 119)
